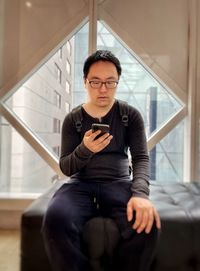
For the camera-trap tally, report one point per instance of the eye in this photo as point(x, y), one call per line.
point(110, 82)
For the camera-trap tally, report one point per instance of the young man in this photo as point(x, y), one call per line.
point(100, 180)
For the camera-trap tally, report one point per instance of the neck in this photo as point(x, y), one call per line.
point(97, 111)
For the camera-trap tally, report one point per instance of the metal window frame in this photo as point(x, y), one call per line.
point(186, 111)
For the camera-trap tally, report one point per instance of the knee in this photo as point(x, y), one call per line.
point(151, 238)
point(154, 233)
point(56, 221)
point(144, 238)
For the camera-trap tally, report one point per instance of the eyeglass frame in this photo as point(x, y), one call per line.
point(102, 83)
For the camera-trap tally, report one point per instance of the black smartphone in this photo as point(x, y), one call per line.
point(100, 126)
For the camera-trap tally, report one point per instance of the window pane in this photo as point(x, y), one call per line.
point(41, 103)
point(198, 161)
point(22, 170)
point(156, 104)
point(80, 54)
point(166, 159)
point(137, 85)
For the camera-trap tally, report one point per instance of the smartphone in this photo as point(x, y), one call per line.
point(100, 126)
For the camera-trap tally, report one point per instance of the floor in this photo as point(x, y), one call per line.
point(9, 250)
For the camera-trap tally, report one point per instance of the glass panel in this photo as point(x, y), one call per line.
point(80, 54)
point(198, 160)
point(156, 104)
point(166, 159)
point(22, 170)
point(41, 102)
point(137, 85)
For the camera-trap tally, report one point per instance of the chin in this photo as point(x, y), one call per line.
point(104, 101)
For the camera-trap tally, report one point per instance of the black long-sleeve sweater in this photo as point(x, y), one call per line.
point(110, 164)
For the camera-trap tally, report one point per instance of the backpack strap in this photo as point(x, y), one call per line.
point(77, 117)
point(124, 112)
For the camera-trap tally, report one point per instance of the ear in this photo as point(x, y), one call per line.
point(84, 81)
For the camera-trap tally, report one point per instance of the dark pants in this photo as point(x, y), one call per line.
point(73, 205)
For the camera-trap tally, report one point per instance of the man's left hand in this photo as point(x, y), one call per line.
point(146, 213)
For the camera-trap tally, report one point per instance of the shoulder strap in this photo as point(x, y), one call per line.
point(124, 112)
point(77, 118)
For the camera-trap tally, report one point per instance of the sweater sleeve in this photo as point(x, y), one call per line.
point(74, 155)
point(139, 155)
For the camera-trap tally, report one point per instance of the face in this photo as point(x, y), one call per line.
point(103, 71)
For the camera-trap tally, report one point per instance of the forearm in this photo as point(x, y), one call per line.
point(140, 182)
point(75, 161)
point(139, 156)
point(140, 188)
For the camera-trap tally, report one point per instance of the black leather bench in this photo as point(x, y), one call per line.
point(179, 247)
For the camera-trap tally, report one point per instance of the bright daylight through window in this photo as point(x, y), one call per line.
point(44, 99)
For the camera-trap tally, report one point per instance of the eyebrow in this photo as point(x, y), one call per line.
point(109, 78)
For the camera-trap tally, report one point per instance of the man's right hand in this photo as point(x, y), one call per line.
point(96, 145)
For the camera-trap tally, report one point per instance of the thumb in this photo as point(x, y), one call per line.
point(129, 212)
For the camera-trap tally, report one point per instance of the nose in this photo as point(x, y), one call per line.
point(103, 88)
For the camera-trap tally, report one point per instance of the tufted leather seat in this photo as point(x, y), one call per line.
point(179, 247)
point(179, 207)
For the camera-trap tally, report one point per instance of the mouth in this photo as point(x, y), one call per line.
point(102, 97)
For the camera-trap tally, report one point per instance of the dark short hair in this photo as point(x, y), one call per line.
point(101, 55)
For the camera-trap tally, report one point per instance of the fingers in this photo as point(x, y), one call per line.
point(153, 216)
point(129, 212)
point(149, 223)
point(144, 221)
point(157, 219)
point(102, 142)
point(138, 220)
point(96, 145)
point(105, 139)
point(145, 215)
point(95, 134)
point(91, 135)
point(88, 133)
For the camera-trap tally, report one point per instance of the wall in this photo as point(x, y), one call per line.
point(32, 31)
point(158, 32)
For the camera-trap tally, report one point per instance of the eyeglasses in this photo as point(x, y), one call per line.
point(98, 84)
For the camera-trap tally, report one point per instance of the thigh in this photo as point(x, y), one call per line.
point(71, 205)
point(115, 197)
